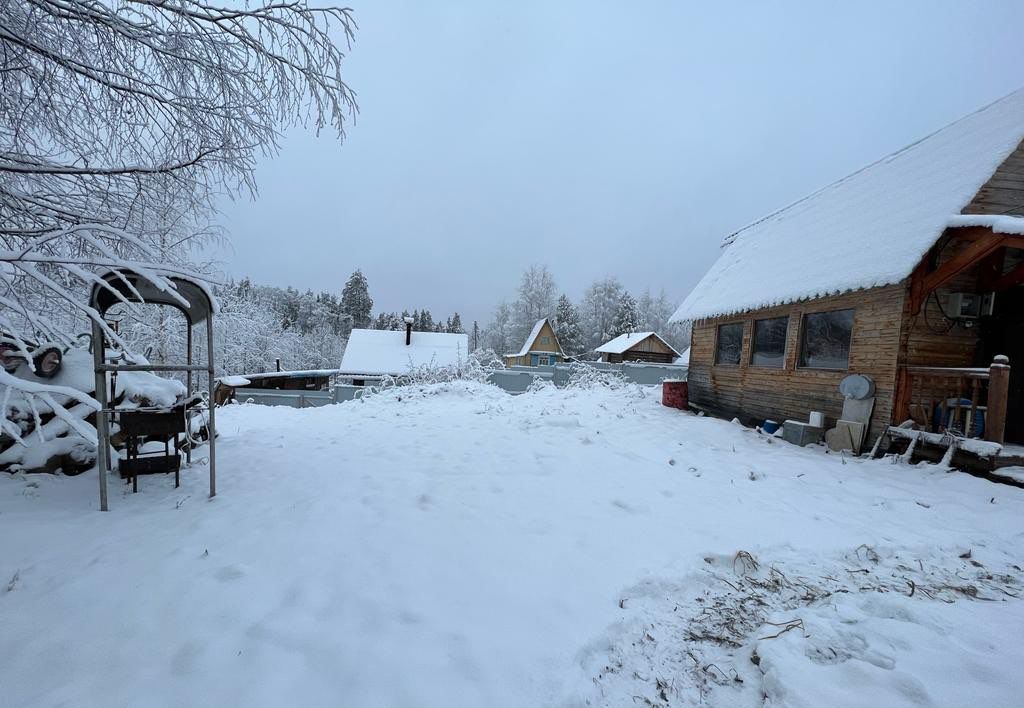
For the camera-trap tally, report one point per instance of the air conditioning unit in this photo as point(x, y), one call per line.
point(969, 306)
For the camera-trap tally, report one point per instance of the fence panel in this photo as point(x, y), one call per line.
point(516, 381)
point(278, 397)
point(652, 374)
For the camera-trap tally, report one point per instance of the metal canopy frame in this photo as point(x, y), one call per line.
point(193, 301)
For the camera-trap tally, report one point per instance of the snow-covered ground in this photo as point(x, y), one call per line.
point(457, 546)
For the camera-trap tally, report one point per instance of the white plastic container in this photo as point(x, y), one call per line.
point(817, 419)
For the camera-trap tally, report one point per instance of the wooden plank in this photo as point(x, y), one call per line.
point(975, 392)
point(973, 252)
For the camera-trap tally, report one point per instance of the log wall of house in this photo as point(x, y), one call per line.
point(1004, 191)
point(649, 349)
point(637, 355)
point(929, 339)
point(756, 393)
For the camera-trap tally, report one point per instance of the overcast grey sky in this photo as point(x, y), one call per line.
point(599, 138)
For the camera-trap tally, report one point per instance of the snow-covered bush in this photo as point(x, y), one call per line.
point(582, 376)
point(475, 367)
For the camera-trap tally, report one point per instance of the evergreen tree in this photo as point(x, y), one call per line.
point(475, 338)
point(455, 324)
point(567, 326)
point(627, 317)
point(356, 301)
point(426, 321)
point(289, 308)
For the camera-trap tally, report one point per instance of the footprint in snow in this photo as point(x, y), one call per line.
point(229, 573)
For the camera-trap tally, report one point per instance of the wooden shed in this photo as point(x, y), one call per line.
point(540, 348)
point(306, 380)
point(908, 271)
point(638, 346)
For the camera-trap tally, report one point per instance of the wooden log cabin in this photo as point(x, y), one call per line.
point(908, 271)
point(540, 348)
point(637, 346)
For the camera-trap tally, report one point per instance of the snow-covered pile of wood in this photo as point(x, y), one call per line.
point(49, 424)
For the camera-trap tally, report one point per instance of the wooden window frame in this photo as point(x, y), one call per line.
point(800, 339)
point(743, 334)
point(785, 342)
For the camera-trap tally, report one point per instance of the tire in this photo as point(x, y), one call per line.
point(48, 361)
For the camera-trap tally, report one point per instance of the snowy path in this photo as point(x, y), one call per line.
point(471, 548)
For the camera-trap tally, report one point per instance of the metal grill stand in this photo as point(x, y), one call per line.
point(121, 286)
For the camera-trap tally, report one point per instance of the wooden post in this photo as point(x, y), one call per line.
point(975, 392)
point(188, 392)
point(998, 395)
point(100, 394)
point(901, 406)
point(211, 426)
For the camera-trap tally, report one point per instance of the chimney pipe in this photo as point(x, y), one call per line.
point(277, 362)
point(408, 331)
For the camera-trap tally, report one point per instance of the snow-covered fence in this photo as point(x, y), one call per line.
point(516, 379)
point(634, 372)
point(277, 397)
point(651, 374)
point(344, 392)
point(300, 399)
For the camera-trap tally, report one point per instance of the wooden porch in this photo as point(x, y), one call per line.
point(967, 402)
point(948, 408)
point(954, 416)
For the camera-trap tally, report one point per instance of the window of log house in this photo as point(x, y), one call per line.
point(825, 339)
point(768, 344)
point(730, 343)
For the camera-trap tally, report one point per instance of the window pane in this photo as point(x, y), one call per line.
point(769, 347)
point(825, 342)
point(730, 343)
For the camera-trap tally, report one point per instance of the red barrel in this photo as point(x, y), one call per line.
point(675, 394)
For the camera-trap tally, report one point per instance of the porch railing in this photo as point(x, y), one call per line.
point(968, 401)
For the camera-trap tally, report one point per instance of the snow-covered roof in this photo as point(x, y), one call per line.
point(684, 358)
point(296, 374)
point(997, 222)
point(234, 381)
point(868, 229)
point(376, 352)
point(626, 341)
point(531, 338)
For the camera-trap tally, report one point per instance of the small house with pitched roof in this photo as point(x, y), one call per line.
point(908, 271)
point(638, 346)
point(541, 347)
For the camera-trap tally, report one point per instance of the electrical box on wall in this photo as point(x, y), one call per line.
point(969, 306)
